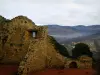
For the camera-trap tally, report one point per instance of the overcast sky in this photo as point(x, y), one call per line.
point(63, 12)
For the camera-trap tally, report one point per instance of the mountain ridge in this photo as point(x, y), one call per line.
point(63, 33)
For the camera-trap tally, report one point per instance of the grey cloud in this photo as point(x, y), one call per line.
point(65, 12)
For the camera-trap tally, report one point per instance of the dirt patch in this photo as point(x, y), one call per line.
point(12, 70)
point(8, 69)
point(65, 72)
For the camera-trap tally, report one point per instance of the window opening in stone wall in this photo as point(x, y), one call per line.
point(34, 34)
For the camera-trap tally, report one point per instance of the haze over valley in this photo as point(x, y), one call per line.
point(74, 33)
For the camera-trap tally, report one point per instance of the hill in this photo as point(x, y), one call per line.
point(73, 33)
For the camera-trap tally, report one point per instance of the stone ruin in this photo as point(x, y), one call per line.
point(83, 62)
point(24, 43)
point(19, 45)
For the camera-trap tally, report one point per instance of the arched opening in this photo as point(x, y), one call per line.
point(73, 65)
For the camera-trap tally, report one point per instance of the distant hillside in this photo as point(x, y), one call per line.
point(89, 29)
point(73, 33)
point(83, 38)
point(62, 30)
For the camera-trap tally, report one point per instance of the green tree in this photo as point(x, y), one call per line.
point(60, 48)
point(81, 49)
point(2, 19)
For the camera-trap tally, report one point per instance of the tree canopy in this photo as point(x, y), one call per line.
point(81, 49)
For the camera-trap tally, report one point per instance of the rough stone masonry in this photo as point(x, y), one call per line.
point(18, 45)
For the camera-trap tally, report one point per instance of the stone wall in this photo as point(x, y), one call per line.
point(41, 54)
point(17, 45)
point(82, 62)
point(85, 62)
point(15, 39)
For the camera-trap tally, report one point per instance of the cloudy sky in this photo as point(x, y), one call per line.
point(63, 12)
